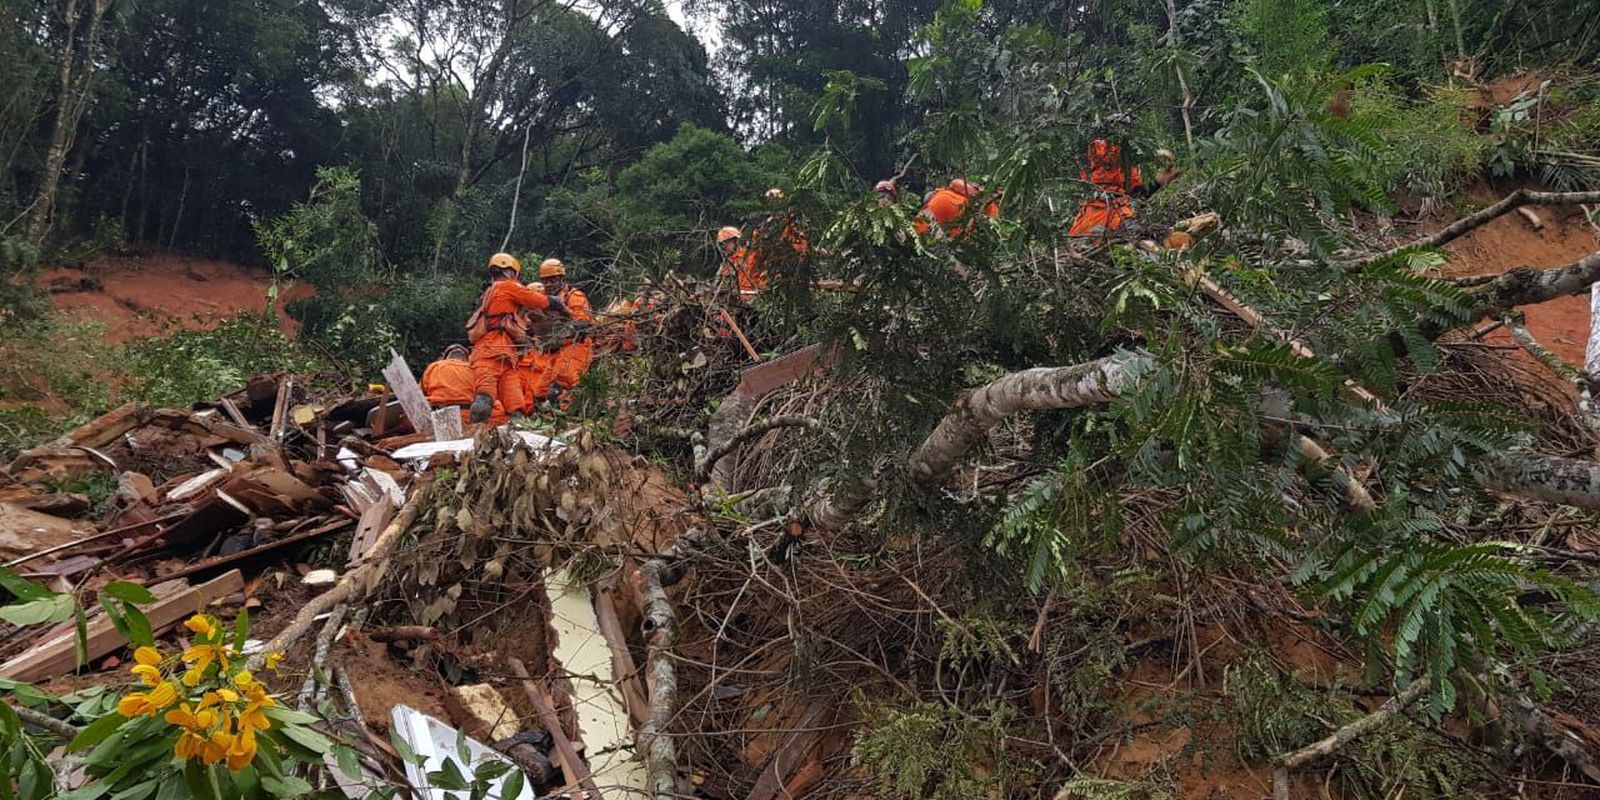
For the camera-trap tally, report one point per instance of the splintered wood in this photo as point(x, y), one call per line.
point(409, 394)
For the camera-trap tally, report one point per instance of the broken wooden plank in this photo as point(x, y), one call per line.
point(58, 655)
point(778, 772)
point(757, 381)
point(738, 332)
point(373, 521)
point(447, 424)
point(24, 532)
point(623, 670)
point(410, 395)
point(232, 410)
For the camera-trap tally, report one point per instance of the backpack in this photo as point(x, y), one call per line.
point(479, 325)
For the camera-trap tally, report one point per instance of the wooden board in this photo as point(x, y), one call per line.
point(447, 424)
point(410, 395)
point(58, 656)
point(373, 520)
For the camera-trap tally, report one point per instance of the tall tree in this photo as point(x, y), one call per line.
point(79, 49)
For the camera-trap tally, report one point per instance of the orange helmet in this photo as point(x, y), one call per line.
point(505, 261)
point(965, 187)
point(728, 233)
point(774, 193)
point(551, 267)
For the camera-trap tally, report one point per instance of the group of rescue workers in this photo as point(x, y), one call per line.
point(531, 344)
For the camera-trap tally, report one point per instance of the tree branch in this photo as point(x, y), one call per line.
point(1467, 224)
point(704, 469)
point(1341, 737)
point(65, 730)
point(1549, 479)
point(1527, 285)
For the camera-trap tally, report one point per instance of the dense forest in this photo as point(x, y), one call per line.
point(1052, 495)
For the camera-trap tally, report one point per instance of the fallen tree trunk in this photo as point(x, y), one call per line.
point(661, 632)
point(967, 425)
point(1550, 479)
point(1467, 224)
point(1527, 285)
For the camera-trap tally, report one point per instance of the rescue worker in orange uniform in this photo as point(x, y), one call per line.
point(495, 354)
point(568, 364)
point(740, 262)
point(450, 382)
point(1115, 183)
point(948, 205)
point(888, 193)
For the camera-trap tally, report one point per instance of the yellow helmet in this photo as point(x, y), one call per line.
point(551, 267)
point(505, 261)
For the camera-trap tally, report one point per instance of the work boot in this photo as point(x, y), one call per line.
point(482, 405)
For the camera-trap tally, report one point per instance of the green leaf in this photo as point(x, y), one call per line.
point(448, 776)
point(10, 723)
point(287, 786)
point(139, 631)
point(118, 621)
point(80, 638)
point(96, 732)
point(88, 791)
point(289, 716)
point(404, 750)
point(26, 692)
point(23, 588)
point(197, 780)
point(512, 788)
point(349, 760)
point(138, 791)
point(129, 592)
point(307, 738)
point(241, 629)
point(54, 608)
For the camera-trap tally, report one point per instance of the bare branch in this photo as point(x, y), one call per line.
point(1467, 224)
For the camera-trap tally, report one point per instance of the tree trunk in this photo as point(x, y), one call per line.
point(1527, 285)
point(967, 425)
point(74, 87)
point(1550, 479)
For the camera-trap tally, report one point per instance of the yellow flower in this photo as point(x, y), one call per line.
point(189, 745)
point(243, 750)
point(273, 660)
point(199, 657)
point(147, 657)
point(191, 719)
point(216, 747)
point(136, 704)
point(148, 675)
point(203, 626)
point(244, 680)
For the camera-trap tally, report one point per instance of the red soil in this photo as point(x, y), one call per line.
point(150, 295)
point(1562, 325)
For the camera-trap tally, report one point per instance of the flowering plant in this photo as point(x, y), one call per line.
point(199, 724)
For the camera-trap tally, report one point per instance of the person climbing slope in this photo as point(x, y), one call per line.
point(450, 382)
point(495, 339)
point(1111, 205)
point(573, 359)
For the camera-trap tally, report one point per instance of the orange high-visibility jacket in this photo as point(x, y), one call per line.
point(1110, 206)
point(746, 268)
point(573, 360)
point(946, 206)
point(494, 357)
point(450, 382)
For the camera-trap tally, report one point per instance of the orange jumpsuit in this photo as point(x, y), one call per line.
point(746, 268)
point(1110, 206)
point(573, 360)
point(946, 206)
point(450, 382)
point(494, 357)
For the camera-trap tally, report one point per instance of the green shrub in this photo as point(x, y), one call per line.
point(937, 751)
point(189, 366)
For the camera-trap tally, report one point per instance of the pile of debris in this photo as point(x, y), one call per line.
point(453, 540)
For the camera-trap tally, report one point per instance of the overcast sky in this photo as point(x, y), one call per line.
point(704, 30)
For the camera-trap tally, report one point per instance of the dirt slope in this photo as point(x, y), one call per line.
point(148, 295)
point(1512, 241)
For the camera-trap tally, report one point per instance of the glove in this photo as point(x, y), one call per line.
point(554, 397)
point(556, 305)
point(482, 406)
